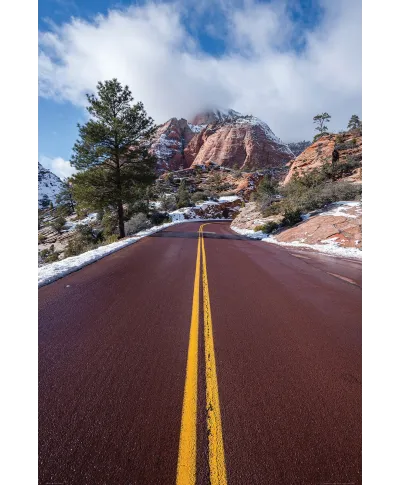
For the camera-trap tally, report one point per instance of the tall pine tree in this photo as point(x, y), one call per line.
point(65, 199)
point(354, 123)
point(320, 121)
point(111, 154)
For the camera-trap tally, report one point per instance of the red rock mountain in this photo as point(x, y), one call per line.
point(340, 148)
point(224, 137)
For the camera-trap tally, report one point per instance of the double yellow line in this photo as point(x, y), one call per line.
point(186, 470)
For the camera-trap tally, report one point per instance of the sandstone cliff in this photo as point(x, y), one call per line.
point(341, 148)
point(224, 137)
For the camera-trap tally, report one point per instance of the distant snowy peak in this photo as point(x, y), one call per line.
point(215, 115)
point(49, 185)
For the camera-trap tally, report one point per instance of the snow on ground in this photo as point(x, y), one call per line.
point(249, 233)
point(340, 209)
point(228, 198)
point(87, 220)
point(329, 246)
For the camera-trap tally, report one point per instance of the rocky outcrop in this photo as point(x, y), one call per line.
point(209, 210)
point(249, 217)
point(340, 223)
point(224, 137)
point(327, 149)
point(212, 178)
point(169, 143)
point(244, 142)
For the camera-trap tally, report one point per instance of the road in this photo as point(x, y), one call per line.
point(198, 356)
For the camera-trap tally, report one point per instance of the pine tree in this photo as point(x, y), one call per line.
point(64, 198)
point(320, 121)
point(182, 197)
point(354, 123)
point(44, 201)
point(111, 153)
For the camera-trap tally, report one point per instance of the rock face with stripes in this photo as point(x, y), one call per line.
point(224, 137)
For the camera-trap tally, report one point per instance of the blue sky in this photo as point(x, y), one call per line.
point(281, 60)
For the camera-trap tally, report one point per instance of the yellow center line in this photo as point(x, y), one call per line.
point(216, 455)
point(186, 469)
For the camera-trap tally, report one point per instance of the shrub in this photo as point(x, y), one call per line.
point(198, 196)
point(76, 246)
point(158, 218)
point(41, 238)
point(267, 227)
point(167, 203)
point(49, 255)
point(291, 217)
point(339, 138)
point(136, 223)
point(111, 239)
point(183, 196)
point(58, 223)
point(84, 240)
point(109, 222)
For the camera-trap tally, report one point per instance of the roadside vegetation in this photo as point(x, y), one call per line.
point(313, 190)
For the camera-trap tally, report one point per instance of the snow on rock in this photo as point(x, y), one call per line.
point(234, 139)
point(329, 246)
point(335, 230)
point(49, 185)
point(196, 128)
point(208, 210)
point(341, 209)
point(228, 198)
point(71, 224)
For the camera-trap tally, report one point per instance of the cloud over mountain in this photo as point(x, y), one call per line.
point(271, 67)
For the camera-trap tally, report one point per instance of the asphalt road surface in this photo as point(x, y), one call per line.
point(198, 356)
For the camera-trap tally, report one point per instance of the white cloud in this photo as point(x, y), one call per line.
point(149, 49)
point(62, 168)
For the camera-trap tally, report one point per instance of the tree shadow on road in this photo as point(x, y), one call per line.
point(206, 235)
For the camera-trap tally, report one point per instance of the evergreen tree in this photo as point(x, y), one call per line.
point(320, 121)
point(182, 197)
point(65, 199)
point(44, 201)
point(111, 153)
point(354, 123)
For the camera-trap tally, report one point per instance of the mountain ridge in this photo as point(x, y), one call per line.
point(225, 137)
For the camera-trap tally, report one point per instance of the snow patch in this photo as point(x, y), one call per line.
point(196, 128)
point(341, 209)
point(228, 198)
point(92, 217)
point(329, 246)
